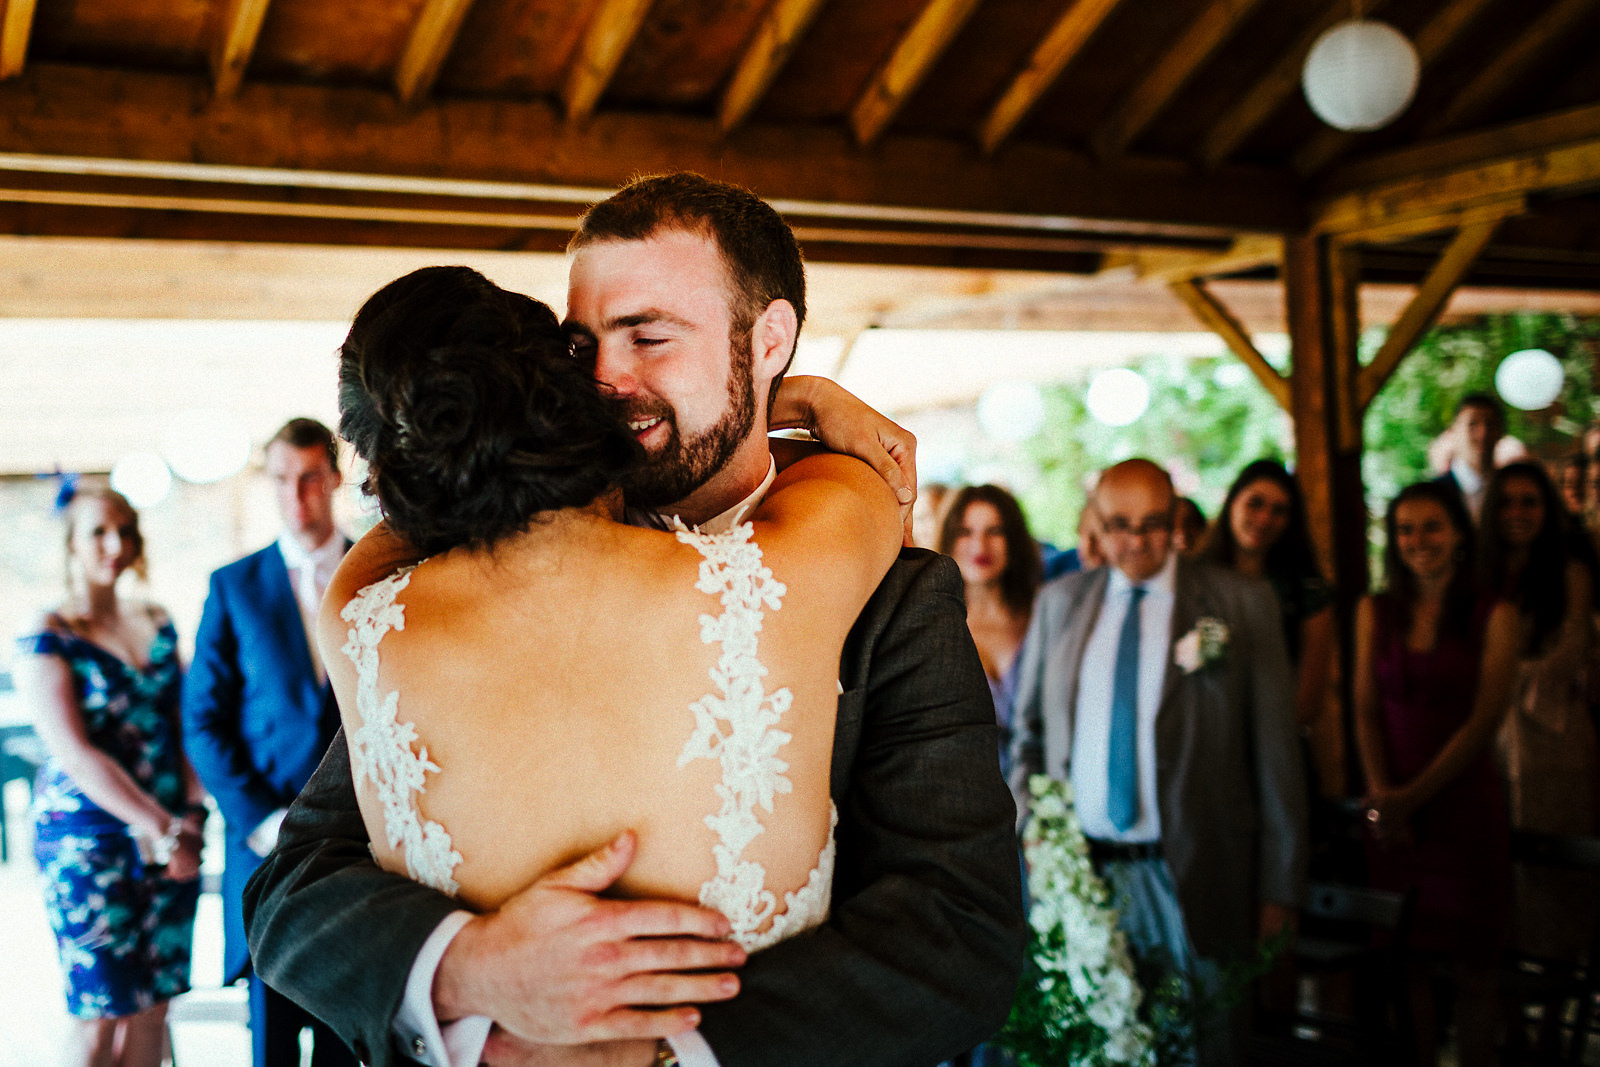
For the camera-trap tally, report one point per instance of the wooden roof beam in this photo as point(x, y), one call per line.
point(907, 66)
point(1058, 48)
point(241, 26)
point(1431, 41)
point(1172, 265)
point(611, 31)
point(1510, 65)
point(1424, 308)
point(1264, 98)
point(1217, 318)
point(1209, 30)
point(432, 37)
point(775, 40)
point(15, 29)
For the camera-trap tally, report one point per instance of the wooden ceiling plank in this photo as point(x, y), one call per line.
point(1219, 320)
point(1424, 308)
point(54, 110)
point(611, 31)
point(241, 27)
point(1058, 48)
point(1509, 66)
point(1431, 42)
point(775, 40)
point(1421, 225)
point(913, 57)
point(1209, 30)
point(1570, 168)
point(1172, 265)
point(15, 29)
point(427, 48)
point(1269, 92)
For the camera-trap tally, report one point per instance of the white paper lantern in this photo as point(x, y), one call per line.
point(142, 477)
point(1011, 411)
point(1360, 75)
point(1118, 397)
point(1530, 379)
point(205, 445)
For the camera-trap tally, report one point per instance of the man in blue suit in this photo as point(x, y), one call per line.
point(258, 712)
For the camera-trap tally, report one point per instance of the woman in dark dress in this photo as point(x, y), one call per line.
point(1434, 664)
point(117, 809)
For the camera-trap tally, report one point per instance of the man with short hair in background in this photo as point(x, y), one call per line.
point(258, 712)
point(1479, 424)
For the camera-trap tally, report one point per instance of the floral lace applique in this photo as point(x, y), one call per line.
point(380, 750)
point(736, 726)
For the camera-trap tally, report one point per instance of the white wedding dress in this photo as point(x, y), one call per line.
point(735, 724)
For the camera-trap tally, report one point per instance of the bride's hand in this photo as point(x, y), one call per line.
point(847, 425)
point(557, 964)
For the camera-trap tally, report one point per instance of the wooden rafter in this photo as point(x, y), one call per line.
point(1139, 108)
point(912, 59)
point(1379, 233)
point(1269, 92)
point(1509, 65)
point(1431, 41)
point(15, 29)
point(1064, 41)
point(1424, 308)
point(1569, 168)
point(774, 42)
point(1221, 321)
point(1172, 265)
point(611, 31)
point(62, 111)
point(241, 26)
point(432, 37)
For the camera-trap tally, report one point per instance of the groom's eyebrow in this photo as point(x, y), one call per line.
point(647, 317)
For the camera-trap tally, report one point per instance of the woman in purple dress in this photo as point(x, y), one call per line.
point(1434, 663)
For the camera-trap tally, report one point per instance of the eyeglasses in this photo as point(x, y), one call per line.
point(1120, 527)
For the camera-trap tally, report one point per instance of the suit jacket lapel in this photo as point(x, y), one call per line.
point(1186, 611)
point(279, 602)
point(1081, 620)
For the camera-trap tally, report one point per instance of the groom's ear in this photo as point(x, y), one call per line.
point(772, 341)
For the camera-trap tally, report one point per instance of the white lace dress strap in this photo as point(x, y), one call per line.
point(380, 749)
point(736, 725)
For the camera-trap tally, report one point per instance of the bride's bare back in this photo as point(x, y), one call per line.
point(551, 681)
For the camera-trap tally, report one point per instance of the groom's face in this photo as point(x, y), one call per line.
point(653, 318)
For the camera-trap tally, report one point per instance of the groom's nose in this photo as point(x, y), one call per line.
point(616, 366)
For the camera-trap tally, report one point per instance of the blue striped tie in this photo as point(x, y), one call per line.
point(1122, 784)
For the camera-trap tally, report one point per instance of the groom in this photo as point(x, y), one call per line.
point(687, 296)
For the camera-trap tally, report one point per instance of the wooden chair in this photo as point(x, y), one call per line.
point(1360, 934)
point(1567, 988)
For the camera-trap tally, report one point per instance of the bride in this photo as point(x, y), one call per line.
point(546, 658)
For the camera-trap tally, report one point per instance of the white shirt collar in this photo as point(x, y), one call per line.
point(722, 523)
point(1163, 582)
point(1468, 479)
point(296, 555)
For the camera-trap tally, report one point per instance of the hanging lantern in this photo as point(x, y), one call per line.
point(1360, 75)
point(1530, 379)
point(1117, 397)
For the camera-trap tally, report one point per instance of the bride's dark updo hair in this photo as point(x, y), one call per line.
point(470, 411)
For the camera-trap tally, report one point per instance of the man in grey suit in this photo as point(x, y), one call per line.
point(679, 286)
point(1161, 689)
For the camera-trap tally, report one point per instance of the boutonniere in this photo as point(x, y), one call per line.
point(1206, 643)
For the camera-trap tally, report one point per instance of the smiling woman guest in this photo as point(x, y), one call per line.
point(985, 532)
point(1434, 664)
point(1547, 745)
point(117, 809)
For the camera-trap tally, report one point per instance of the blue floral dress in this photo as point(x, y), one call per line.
point(124, 931)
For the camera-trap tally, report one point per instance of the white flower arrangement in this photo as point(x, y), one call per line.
point(1205, 644)
point(1085, 1005)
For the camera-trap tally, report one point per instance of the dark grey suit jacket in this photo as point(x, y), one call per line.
point(1229, 782)
point(919, 958)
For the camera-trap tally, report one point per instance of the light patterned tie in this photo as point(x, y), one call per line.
point(1122, 779)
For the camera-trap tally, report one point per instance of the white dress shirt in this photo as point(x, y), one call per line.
point(310, 571)
point(460, 1043)
point(1473, 486)
point(1091, 729)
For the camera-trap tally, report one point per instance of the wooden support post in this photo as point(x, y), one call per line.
point(1322, 333)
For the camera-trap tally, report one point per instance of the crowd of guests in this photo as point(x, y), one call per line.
point(1473, 712)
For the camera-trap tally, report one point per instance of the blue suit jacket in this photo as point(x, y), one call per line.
point(256, 722)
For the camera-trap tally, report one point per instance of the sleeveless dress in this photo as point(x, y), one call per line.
point(1459, 861)
point(123, 930)
point(735, 724)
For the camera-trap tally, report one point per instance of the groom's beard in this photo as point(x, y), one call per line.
point(683, 465)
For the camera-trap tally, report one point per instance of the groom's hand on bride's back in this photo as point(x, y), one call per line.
point(559, 964)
